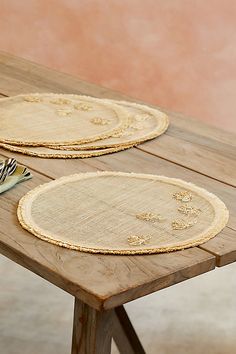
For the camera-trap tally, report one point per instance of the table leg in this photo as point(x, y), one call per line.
point(124, 333)
point(92, 330)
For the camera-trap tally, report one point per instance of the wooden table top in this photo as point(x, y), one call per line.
point(189, 150)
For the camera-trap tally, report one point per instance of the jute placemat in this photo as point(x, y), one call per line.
point(44, 152)
point(122, 213)
point(57, 119)
point(144, 123)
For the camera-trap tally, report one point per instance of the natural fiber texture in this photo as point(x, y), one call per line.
point(71, 126)
point(44, 152)
point(122, 213)
point(58, 119)
point(145, 123)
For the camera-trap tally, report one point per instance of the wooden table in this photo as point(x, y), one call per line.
point(101, 284)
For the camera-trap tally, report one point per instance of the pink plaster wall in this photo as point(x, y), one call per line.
point(180, 54)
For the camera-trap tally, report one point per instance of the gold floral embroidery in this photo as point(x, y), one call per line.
point(60, 101)
point(184, 196)
point(100, 121)
point(181, 224)
point(64, 112)
point(125, 133)
point(83, 107)
point(150, 217)
point(32, 99)
point(136, 240)
point(189, 210)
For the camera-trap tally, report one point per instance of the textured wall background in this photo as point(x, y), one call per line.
point(180, 54)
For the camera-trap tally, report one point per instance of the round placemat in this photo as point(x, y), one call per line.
point(43, 151)
point(58, 119)
point(122, 213)
point(144, 123)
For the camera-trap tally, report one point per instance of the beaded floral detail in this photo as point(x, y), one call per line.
point(64, 112)
point(60, 101)
point(184, 196)
point(136, 240)
point(189, 210)
point(150, 217)
point(125, 133)
point(83, 107)
point(32, 99)
point(181, 224)
point(100, 121)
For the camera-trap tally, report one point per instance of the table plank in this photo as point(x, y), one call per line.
point(187, 142)
point(101, 281)
point(222, 247)
point(134, 160)
point(18, 75)
point(202, 159)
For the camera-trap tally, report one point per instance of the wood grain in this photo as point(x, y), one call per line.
point(124, 334)
point(222, 247)
point(187, 143)
point(92, 330)
point(135, 161)
point(105, 282)
point(101, 281)
point(189, 150)
point(132, 160)
point(20, 75)
point(219, 164)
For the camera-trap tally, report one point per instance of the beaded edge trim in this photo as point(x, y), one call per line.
point(220, 220)
point(61, 155)
point(121, 114)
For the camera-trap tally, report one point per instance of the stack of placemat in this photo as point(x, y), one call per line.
point(72, 126)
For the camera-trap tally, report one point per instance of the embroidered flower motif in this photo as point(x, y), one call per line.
point(83, 107)
point(150, 217)
point(100, 121)
point(136, 240)
point(184, 196)
point(181, 224)
point(60, 101)
point(32, 99)
point(125, 133)
point(189, 210)
point(64, 112)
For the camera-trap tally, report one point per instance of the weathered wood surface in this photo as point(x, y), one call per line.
point(187, 142)
point(194, 152)
point(135, 160)
point(92, 330)
point(101, 281)
point(124, 334)
point(222, 247)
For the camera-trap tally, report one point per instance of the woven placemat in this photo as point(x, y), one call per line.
point(58, 119)
point(122, 213)
point(144, 123)
point(44, 152)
